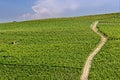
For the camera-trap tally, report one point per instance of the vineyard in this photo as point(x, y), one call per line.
point(56, 49)
point(52, 49)
point(106, 65)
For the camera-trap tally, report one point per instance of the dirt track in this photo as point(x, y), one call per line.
point(88, 63)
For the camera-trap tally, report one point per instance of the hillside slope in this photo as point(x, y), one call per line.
point(51, 49)
point(106, 65)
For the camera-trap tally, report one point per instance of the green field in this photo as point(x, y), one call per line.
point(56, 49)
point(53, 49)
point(106, 65)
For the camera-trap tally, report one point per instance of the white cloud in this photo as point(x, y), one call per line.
point(61, 8)
point(51, 8)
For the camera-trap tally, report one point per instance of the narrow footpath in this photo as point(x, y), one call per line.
point(87, 67)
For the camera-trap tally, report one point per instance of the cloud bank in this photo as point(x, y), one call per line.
point(60, 8)
point(51, 8)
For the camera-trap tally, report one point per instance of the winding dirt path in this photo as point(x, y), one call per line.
point(88, 63)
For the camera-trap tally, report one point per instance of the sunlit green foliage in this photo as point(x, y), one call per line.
point(53, 49)
point(106, 65)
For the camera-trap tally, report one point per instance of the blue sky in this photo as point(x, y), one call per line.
point(15, 10)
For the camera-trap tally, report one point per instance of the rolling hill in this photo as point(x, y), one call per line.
point(57, 49)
